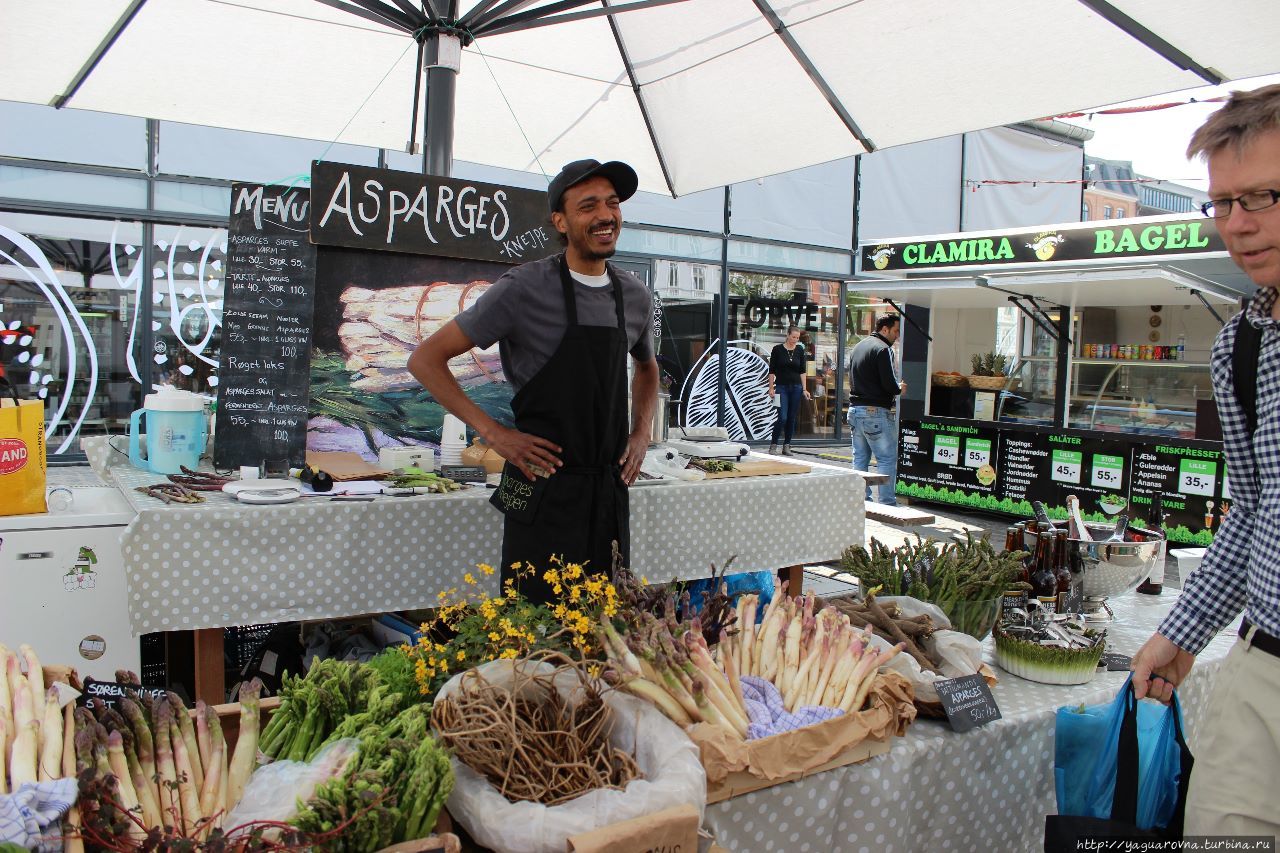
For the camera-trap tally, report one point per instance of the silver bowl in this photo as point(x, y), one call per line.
point(1112, 568)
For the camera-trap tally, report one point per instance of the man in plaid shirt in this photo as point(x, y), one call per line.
point(1233, 786)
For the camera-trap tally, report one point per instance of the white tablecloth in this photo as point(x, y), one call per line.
point(224, 563)
point(985, 790)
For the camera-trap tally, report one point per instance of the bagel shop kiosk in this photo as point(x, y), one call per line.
point(1098, 335)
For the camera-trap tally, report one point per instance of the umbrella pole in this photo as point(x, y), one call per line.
point(440, 61)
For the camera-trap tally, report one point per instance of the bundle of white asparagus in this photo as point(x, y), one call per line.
point(146, 765)
point(812, 660)
point(31, 722)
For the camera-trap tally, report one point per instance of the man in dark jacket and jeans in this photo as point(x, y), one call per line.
point(873, 399)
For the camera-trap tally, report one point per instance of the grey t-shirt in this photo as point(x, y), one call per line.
point(524, 312)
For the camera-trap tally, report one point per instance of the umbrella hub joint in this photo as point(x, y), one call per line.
point(443, 31)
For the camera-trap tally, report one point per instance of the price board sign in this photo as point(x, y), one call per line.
point(967, 702)
point(946, 449)
point(1066, 466)
point(977, 452)
point(1108, 471)
point(1197, 477)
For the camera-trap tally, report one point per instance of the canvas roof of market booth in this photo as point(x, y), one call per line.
point(1157, 260)
point(692, 93)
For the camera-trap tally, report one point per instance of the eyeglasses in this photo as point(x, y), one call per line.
point(1220, 208)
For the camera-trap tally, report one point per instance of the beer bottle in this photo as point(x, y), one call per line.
point(1061, 573)
point(1044, 583)
point(1041, 515)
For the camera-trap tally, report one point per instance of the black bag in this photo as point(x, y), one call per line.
point(1063, 833)
point(1244, 370)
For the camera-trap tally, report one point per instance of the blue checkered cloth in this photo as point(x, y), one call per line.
point(1241, 569)
point(31, 816)
point(769, 716)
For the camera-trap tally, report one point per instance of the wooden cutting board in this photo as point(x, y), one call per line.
point(760, 468)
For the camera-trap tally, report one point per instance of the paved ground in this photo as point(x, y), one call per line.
point(950, 522)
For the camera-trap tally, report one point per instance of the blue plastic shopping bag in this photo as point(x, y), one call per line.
point(1125, 762)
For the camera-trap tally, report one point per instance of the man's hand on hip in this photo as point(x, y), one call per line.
point(531, 454)
point(1159, 667)
point(637, 446)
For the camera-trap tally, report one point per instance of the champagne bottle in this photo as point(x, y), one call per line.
point(1075, 521)
point(1122, 524)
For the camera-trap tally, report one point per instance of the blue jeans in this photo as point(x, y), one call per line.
point(785, 428)
point(874, 430)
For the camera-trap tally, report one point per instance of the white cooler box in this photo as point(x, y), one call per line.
point(63, 583)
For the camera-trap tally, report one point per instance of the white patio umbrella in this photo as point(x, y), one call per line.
point(694, 94)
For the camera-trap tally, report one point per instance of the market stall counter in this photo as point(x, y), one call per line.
point(223, 563)
point(986, 789)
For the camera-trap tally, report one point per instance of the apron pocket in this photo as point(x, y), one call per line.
point(517, 497)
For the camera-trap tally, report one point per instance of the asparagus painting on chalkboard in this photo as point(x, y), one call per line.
point(372, 310)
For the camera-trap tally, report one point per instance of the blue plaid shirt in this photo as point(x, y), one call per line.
point(1242, 566)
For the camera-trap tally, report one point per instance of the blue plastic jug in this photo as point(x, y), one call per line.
point(175, 431)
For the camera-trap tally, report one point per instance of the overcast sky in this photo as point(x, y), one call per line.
point(1156, 141)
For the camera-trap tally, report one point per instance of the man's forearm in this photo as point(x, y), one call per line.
point(644, 396)
point(431, 368)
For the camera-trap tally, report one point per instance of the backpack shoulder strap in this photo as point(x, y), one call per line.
point(1244, 369)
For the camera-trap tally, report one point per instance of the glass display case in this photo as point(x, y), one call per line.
point(1138, 397)
point(1029, 393)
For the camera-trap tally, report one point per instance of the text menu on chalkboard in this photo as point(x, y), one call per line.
point(266, 328)
point(967, 702)
point(360, 207)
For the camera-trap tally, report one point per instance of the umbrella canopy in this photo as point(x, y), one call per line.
point(694, 94)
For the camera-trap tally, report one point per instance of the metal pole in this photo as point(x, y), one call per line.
point(1061, 390)
point(722, 322)
point(441, 57)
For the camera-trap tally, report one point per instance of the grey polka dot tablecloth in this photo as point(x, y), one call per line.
point(985, 790)
point(223, 563)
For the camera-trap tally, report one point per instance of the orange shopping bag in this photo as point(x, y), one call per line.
point(22, 463)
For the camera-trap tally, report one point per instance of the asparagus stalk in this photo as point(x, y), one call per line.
point(124, 787)
point(646, 689)
point(143, 788)
point(71, 842)
point(51, 737)
point(6, 706)
point(167, 776)
point(188, 732)
point(188, 793)
point(22, 763)
point(708, 711)
point(209, 806)
point(203, 742)
point(144, 746)
point(35, 679)
point(243, 759)
point(731, 669)
point(4, 765)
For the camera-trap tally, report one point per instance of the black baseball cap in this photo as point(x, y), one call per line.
point(622, 176)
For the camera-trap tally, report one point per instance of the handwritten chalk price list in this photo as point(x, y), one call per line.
point(1066, 466)
point(1108, 471)
point(1197, 477)
point(946, 449)
point(977, 452)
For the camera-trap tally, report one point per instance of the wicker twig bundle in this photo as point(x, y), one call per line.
point(528, 741)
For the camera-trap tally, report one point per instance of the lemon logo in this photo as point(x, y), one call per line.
point(880, 257)
point(1045, 245)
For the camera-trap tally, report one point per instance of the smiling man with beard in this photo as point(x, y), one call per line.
point(564, 327)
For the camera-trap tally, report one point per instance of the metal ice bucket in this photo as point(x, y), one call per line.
point(1112, 568)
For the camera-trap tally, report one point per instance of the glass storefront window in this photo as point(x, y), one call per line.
point(54, 185)
point(186, 294)
point(69, 309)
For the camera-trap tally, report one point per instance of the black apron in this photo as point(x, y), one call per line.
point(578, 400)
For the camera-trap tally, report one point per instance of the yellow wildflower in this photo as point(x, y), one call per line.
point(508, 654)
point(494, 636)
point(462, 655)
point(469, 578)
point(486, 568)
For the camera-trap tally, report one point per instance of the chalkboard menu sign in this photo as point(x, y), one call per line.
point(967, 702)
point(266, 328)
point(360, 207)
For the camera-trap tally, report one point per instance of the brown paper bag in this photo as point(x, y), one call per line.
point(673, 830)
point(22, 454)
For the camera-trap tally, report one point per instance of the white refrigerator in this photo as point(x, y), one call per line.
point(62, 584)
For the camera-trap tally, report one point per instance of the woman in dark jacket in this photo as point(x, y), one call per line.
point(786, 380)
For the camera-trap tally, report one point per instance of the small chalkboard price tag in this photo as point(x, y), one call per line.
point(967, 701)
point(1115, 662)
point(463, 473)
point(111, 692)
